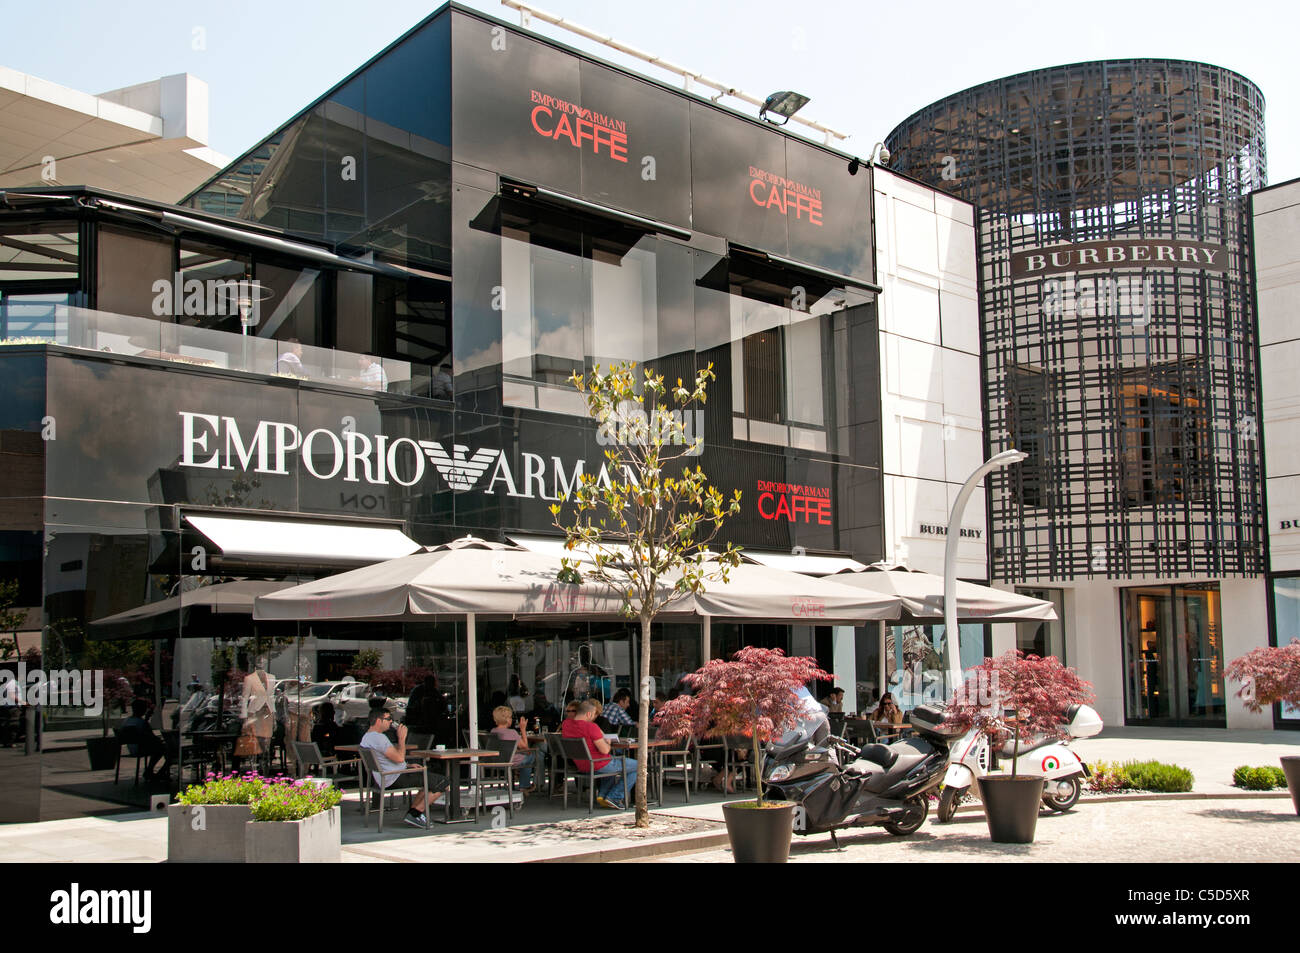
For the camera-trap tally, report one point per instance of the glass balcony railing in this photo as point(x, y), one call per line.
point(203, 347)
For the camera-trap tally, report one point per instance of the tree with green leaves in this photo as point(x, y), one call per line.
point(644, 524)
point(11, 619)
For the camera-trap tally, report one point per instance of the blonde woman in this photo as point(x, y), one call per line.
point(525, 759)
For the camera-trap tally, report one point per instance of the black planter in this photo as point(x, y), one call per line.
point(1011, 806)
point(1291, 768)
point(103, 753)
point(759, 835)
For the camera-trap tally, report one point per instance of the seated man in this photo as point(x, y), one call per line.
point(392, 757)
point(612, 794)
point(616, 711)
point(138, 733)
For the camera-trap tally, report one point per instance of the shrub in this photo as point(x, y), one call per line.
point(1157, 776)
point(1259, 779)
point(294, 800)
point(224, 789)
point(1108, 777)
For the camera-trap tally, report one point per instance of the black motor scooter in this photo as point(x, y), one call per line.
point(837, 784)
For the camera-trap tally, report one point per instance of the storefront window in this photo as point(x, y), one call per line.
point(1043, 638)
point(1286, 625)
point(1173, 655)
point(914, 660)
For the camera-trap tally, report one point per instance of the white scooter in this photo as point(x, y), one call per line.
point(972, 758)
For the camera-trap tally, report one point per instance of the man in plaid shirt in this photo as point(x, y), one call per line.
point(616, 711)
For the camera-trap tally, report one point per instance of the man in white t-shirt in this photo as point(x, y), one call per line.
point(392, 757)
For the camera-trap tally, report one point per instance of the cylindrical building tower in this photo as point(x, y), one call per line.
point(1119, 349)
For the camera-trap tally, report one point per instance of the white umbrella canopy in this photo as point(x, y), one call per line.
point(921, 597)
point(498, 580)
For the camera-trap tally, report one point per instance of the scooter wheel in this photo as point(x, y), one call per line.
point(949, 798)
point(1056, 802)
point(917, 810)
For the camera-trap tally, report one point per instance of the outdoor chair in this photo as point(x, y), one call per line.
point(557, 763)
point(575, 749)
point(498, 774)
point(679, 763)
point(371, 767)
point(733, 748)
point(706, 749)
point(131, 749)
point(419, 739)
point(308, 754)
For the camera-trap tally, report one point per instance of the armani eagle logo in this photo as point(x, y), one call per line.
point(461, 473)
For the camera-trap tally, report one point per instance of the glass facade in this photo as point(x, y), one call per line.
point(481, 223)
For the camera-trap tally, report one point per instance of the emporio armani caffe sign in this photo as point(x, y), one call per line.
point(214, 442)
point(1126, 254)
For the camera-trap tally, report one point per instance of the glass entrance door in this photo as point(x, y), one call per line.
point(1173, 656)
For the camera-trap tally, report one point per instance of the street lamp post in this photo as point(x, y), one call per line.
point(1005, 458)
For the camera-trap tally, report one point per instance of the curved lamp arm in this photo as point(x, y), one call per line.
point(951, 650)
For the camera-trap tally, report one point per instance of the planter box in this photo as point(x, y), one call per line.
point(104, 753)
point(206, 834)
point(313, 840)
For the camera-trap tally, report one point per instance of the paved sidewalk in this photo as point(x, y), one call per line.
point(547, 832)
point(1211, 754)
point(1259, 830)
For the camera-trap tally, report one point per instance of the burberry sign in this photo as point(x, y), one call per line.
point(1129, 253)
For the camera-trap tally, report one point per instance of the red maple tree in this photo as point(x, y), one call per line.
point(1268, 675)
point(1017, 694)
point(752, 695)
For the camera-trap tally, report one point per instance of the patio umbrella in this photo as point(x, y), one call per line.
point(189, 613)
point(471, 578)
point(921, 597)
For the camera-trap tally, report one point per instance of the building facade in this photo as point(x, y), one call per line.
point(1275, 239)
point(365, 326)
point(1120, 353)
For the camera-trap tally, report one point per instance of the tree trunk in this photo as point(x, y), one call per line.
point(643, 728)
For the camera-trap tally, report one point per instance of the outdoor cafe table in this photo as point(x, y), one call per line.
point(628, 748)
point(452, 755)
point(451, 804)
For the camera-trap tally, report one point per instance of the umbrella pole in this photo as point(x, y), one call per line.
point(471, 662)
point(884, 667)
point(706, 640)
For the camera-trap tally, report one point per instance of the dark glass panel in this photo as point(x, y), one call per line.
point(496, 123)
point(828, 212)
point(128, 266)
point(735, 168)
point(657, 127)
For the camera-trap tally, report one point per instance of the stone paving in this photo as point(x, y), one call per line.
point(1254, 830)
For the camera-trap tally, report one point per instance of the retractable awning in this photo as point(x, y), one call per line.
point(258, 541)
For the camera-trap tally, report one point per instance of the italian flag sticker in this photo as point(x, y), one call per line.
point(1050, 763)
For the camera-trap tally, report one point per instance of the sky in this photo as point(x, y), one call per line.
point(866, 66)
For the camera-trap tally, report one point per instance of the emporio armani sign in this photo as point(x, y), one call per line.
point(216, 442)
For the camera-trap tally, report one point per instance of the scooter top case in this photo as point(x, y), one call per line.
point(1082, 721)
point(928, 720)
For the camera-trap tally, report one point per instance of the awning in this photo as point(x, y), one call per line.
point(808, 565)
point(189, 613)
point(288, 542)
